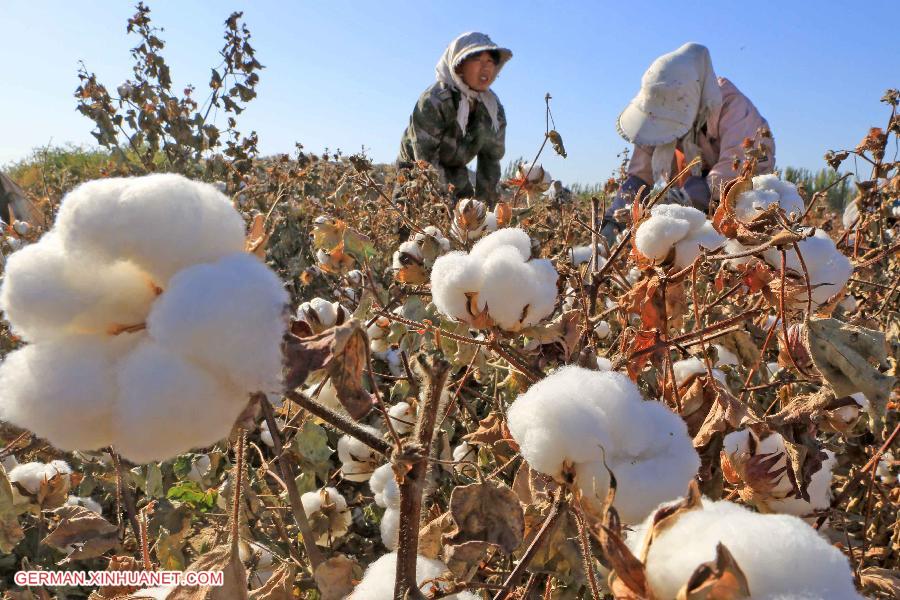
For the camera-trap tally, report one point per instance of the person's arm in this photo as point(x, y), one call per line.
point(426, 130)
point(739, 120)
point(639, 175)
point(488, 171)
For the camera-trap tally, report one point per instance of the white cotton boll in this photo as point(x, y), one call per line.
point(403, 417)
point(64, 390)
point(88, 503)
point(582, 254)
point(327, 396)
point(602, 329)
point(409, 248)
point(169, 405)
point(490, 224)
point(753, 202)
point(705, 236)
point(452, 276)
point(604, 364)
point(633, 276)
point(829, 270)
point(789, 197)
point(339, 517)
point(9, 462)
point(318, 313)
point(358, 461)
point(30, 475)
point(509, 236)
point(199, 468)
point(393, 358)
point(265, 435)
point(577, 417)
point(162, 222)
point(690, 214)
point(227, 316)
point(390, 528)
point(735, 247)
point(689, 367)
point(48, 292)
point(781, 556)
point(657, 235)
point(725, 356)
point(517, 294)
point(384, 487)
point(883, 470)
point(378, 580)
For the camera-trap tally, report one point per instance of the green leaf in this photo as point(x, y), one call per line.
point(311, 443)
point(182, 465)
point(154, 482)
point(357, 245)
point(191, 494)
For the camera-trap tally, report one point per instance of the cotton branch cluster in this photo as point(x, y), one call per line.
point(570, 422)
point(148, 326)
point(674, 232)
point(327, 509)
point(780, 555)
point(472, 220)
point(498, 282)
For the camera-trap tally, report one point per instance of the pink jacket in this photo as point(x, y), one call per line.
point(720, 143)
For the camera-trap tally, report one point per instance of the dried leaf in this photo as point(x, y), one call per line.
point(10, 531)
point(490, 429)
point(667, 516)
point(719, 579)
point(280, 585)
point(335, 577)
point(842, 353)
point(81, 533)
point(881, 580)
point(487, 512)
point(221, 558)
point(117, 563)
point(257, 237)
point(54, 492)
point(556, 142)
point(431, 535)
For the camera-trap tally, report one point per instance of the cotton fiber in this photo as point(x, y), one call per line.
point(681, 229)
point(379, 579)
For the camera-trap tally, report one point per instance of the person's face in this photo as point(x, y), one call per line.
point(479, 71)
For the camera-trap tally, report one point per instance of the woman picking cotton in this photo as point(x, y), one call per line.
point(683, 111)
point(458, 118)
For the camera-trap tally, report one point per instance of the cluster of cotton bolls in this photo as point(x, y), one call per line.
point(358, 461)
point(828, 269)
point(775, 492)
point(767, 191)
point(380, 576)
point(412, 261)
point(496, 282)
point(320, 314)
point(148, 325)
point(780, 555)
point(471, 220)
point(569, 422)
point(676, 231)
point(387, 495)
point(328, 512)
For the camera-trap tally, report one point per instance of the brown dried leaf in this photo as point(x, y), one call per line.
point(117, 563)
point(10, 531)
point(628, 580)
point(487, 512)
point(842, 353)
point(491, 429)
point(257, 237)
point(880, 580)
point(221, 558)
point(431, 535)
point(335, 577)
point(462, 558)
point(719, 579)
point(54, 492)
point(81, 533)
point(667, 516)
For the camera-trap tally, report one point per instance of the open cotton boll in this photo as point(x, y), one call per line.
point(88, 503)
point(517, 294)
point(358, 461)
point(168, 405)
point(724, 356)
point(883, 470)
point(64, 390)
point(453, 275)
point(781, 556)
point(403, 417)
point(162, 223)
point(509, 236)
point(385, 488)
point(327, 396)
point(320, 314)
point(575, 418)
point(390, 528)
point(48, 292)
point(227, 316)
point(693, 366)
point(657, 235)
point(690, 214)
point(705, 236)
point(329, 508)
point(829, 270)
point(378, 580)
point(582, 254)
point(200, 468)
point(768, 190)
point(31, 475)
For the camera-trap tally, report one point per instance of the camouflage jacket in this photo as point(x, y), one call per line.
point(433, 135)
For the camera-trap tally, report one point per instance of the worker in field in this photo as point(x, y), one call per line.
point(683, 111)
point(458, 119)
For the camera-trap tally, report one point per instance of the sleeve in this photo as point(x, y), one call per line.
point(698, 191)
point(488, 171)
point(639, 175)
point(426, 130)
point(739, 120)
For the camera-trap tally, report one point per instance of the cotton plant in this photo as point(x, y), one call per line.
point(320, 314)
point(572, 421)
point(386, 493)
point(412, 261)
point(534, 182)
point(759, 465)
point(379, 579)
point(147, 324)
point(472, 220)
point(328, 513)
point(676, 233)
point(497, 282)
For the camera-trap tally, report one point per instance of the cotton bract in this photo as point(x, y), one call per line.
point(681, 230)
point(496, 282)
point(781, 556)
point(148, 326)
point(567, 423)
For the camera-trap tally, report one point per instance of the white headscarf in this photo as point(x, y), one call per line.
point(679, 92)
point(445, 72)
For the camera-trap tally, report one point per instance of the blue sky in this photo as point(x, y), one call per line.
point(346, 74)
